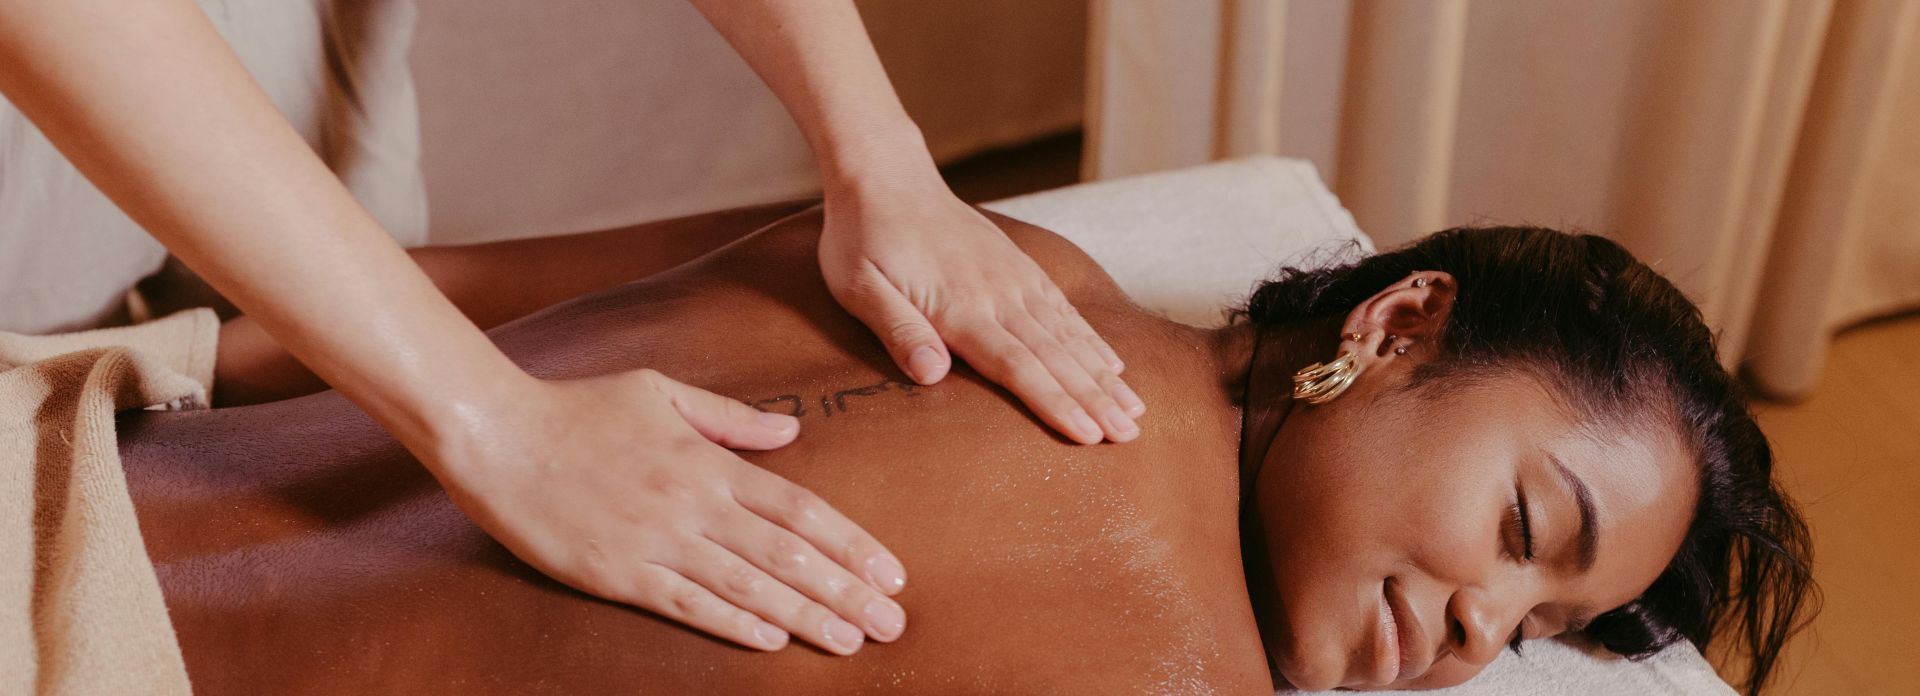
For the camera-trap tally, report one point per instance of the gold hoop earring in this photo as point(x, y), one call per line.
point(1322, 382)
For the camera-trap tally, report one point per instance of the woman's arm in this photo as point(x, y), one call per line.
point(920, 268)
point(614, 485)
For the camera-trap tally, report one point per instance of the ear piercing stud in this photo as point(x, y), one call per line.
point(1355, 336)
point(1421, 282)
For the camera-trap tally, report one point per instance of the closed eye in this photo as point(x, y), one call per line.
point(1520, 525)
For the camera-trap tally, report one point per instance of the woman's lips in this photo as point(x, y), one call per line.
point(1390, 657)
point(1403, 639)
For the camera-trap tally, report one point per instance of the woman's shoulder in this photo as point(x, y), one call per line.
point(1077, 274)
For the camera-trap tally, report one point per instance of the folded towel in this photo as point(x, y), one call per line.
point(1189, 243)
point(80, 607)
point(1569, 668)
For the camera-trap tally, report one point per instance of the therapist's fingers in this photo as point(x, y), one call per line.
point(799, 511)
point(749, 587)
point(1000, 356)
point(1077, 377)
point(1055, 310)
point(725, 421)
point(908, 336)
point(787, 558)
point(1088, 348)
point(666, 592)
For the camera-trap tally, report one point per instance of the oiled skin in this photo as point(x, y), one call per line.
point(302, 551)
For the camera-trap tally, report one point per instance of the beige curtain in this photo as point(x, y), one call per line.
point(1762, 153)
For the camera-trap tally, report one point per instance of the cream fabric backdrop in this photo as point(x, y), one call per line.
point(1762, 153)
point(568, 115)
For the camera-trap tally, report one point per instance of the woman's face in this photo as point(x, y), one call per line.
point(1398, 525)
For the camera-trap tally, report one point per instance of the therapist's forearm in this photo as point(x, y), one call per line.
point(149, 103)
point(816, 57)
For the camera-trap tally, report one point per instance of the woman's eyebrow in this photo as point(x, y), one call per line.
point(1587, 540)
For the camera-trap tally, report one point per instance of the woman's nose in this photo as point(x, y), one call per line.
point(1477, 628)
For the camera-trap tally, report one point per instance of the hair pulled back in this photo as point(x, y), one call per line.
point(1618, 341)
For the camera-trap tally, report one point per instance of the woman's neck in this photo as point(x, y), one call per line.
point(1264, 360)
point(1257, 364)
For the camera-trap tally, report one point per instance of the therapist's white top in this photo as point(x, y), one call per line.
point(336, 68)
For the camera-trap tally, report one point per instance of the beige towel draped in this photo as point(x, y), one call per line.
point(80, 607)
point(1762, 153)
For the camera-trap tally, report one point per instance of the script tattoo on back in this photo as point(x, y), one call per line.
point(829, 404)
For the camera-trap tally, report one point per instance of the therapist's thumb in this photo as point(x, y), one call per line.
point(909, 337)
point(726, 422)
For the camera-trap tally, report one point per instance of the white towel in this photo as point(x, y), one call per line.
point(1188, 243)
point(1556, 668)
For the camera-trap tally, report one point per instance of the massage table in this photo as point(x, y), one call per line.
point(1184, 243)
point(1189, 243)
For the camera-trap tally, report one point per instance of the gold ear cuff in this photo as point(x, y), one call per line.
point(1322, 382)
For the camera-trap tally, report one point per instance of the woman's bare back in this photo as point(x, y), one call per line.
point(302, 551)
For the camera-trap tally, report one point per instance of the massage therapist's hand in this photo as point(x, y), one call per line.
point(925, 271)
point(620, 486)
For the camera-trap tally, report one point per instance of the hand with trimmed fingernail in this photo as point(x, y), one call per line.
point(925, 271)
point(633, 496)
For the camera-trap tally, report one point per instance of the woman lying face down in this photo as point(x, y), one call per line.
point(1537, 440)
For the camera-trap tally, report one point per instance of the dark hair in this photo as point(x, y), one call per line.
point(1620, 341)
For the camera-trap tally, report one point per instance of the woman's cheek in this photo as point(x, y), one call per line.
point(1454, 534)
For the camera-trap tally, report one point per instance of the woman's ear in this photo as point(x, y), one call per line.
point(1404, 319)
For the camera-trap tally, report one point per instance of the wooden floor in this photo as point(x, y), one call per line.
point(1850, 454)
